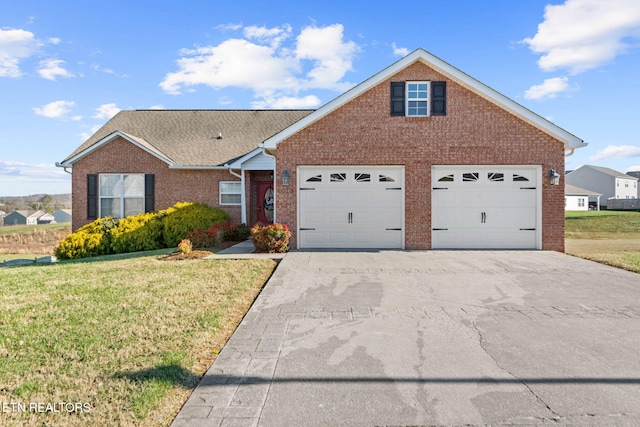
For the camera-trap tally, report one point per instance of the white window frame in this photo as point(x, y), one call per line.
point(426, 99)
point(223, 191)
point(122, 197)
point(580, 202)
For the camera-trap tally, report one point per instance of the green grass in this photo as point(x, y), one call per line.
point(609, 237)
point(11, 229)
point(130, 337)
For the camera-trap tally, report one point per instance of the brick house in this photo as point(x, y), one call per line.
point(419, 156)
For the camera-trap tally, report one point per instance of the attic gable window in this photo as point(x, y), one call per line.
point(418, 98)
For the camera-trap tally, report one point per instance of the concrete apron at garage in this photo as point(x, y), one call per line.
point(431, 338)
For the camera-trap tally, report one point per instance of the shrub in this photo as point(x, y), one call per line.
point(185, 246)
point(271, 238)
point(135, 233)
point(188, 217)
point(226, 231)
point(93, 239)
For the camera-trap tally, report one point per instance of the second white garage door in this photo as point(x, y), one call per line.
point(350, 207)
point(486, 207)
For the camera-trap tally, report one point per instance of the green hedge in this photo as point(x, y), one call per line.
point(148, 231)
point(188, 218)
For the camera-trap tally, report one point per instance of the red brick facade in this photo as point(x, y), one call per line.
point(171, 185)
point(474, 131)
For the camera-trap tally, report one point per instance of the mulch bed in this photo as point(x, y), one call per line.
point(197, 253)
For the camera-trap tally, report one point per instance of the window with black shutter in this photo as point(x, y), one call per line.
point(419, 98)
point(149, 192)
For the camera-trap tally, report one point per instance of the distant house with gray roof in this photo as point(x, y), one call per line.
point(579, 199)
point(608, 182)
point(62, 215)
point(23, 217)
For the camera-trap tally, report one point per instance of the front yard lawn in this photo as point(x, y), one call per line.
point(125, 340)
point(609, 237)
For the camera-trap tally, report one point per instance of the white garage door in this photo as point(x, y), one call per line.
point(486, 207)
point(350, 206)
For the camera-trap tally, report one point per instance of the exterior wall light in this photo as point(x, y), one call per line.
point(286, 177)
point(554, 177)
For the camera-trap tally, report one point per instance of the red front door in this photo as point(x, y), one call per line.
point(265, 202)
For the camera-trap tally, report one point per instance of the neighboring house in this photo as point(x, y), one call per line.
point(419, 156)
point(579, 199)
point(636, 174)
point(46, 218)
point(62, 215)
point(23, 217)
point(608, 182)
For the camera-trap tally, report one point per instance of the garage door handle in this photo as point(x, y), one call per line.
point(393, 188)
point(440, 229)
point(394, 229)
point(306, 229)
point(350, 218)
point(527, 229)
point(483, 217)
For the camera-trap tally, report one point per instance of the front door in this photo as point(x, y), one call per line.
point(265, 201)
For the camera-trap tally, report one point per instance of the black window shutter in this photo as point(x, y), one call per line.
point(149, 192)
point(438, 98)
point(92, 196)
point(397, 98)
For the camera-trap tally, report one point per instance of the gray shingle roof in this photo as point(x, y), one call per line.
point(612, 172)
point(190, 137)
point(572, 190)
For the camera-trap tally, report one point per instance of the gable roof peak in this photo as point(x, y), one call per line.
point(571, 142)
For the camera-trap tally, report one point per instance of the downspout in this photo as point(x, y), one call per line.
point(243, 201)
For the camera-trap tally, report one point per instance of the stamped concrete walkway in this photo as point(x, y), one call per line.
point(430, 338)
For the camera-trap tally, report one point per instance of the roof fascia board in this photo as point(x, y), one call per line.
point(196, 167)
point(571, 141)
point(111, 137)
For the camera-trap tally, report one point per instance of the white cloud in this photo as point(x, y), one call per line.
point(399, 51)
point(633, 169)
point(272, 36)
point(56, 110)
point(106, 111)
point(549, 89)
point(584, 34)
point(15, 45)
point(287, 102)
point(157, 107)
point(14, 171)
point(318, 59)
point(50, 69)
point(616, 152)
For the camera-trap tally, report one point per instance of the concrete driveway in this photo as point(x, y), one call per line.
point(431, 338)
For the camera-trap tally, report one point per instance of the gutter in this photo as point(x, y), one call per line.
point(60, 165)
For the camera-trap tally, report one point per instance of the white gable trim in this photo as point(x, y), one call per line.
point(254, 160)
point(138, 142)
point(570, 141)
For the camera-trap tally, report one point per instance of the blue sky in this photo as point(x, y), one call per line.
point(66, 67)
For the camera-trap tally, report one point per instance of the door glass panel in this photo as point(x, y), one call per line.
point(317, 178)
point(520, 178)
point(447, 178)
point(268, 204)
point(470, 176)
point(338, 177)
point(385, 178)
